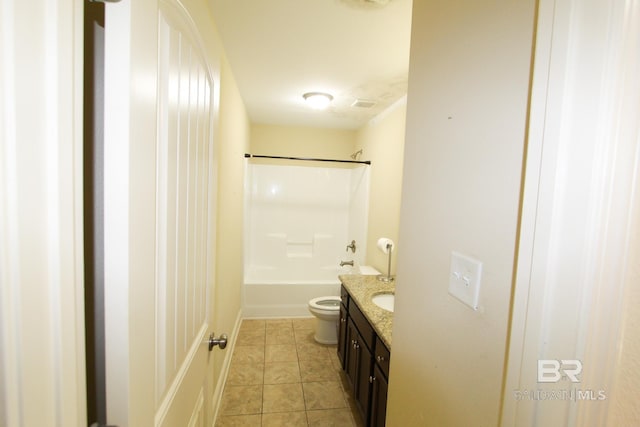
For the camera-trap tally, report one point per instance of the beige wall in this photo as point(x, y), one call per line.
point(199, 12)
point(295, 141)
point(382, 142)
point(466, 117)
point(233, 143)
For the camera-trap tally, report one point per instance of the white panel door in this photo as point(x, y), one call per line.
point(184, 214)
point(159, 215)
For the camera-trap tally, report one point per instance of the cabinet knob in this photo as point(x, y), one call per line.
point(379, 358)
point(371, 379)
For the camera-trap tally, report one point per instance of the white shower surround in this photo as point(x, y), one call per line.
point(298, 222)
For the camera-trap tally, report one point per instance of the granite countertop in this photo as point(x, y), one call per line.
point(362, 288)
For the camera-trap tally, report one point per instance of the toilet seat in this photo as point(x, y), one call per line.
point(325, 303)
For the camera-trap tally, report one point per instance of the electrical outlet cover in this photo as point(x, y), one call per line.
point(464, 279)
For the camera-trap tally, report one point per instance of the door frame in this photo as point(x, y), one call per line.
point(129, 150)
point(578, 207)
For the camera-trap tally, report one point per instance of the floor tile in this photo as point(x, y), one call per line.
point(252, 325)
point(279, 324)
point(245, 373)
point(323, 395)
point(307, 350)
point(330, 418)
point(239, 421)
point(248, 354)
point(351, 403)
point(304, 323)
point(278, 371)
point(280, 353)
point(281, 373)
point(305, 335)
point(335, 361)
point(279, 336)
point(282, 398)
point(285, 419)
point(241, 400)
point(317, 370)
point(250, 337)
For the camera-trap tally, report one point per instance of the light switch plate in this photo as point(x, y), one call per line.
point(464, 279)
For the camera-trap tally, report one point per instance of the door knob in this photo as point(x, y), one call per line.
point(220, 342)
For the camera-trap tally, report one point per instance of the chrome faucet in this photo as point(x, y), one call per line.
point(343, 263)
point(352, 246)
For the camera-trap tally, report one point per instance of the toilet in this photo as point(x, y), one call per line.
point(327, 311)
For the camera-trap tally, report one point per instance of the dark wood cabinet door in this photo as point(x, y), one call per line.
point(378, 398)
point(363, 392)
point(342, 336)
point(350, 354)
point(358, 365)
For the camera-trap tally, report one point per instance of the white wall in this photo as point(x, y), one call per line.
point(466, 118)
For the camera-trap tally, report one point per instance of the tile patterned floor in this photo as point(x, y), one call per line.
point(279, 376)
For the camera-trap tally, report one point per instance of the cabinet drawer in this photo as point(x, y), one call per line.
point(382, 356)
point(362, 324)
point(344, 297)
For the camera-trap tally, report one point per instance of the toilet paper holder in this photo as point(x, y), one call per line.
point(386, 246)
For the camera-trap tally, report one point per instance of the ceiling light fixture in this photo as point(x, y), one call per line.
point(318, 100)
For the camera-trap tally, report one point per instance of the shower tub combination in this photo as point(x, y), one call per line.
point(298, 223)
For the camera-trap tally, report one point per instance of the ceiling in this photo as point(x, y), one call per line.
point(280, 49)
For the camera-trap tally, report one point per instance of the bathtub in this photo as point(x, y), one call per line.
point(264, 298)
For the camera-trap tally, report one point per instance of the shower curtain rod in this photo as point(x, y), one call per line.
point(306, 159)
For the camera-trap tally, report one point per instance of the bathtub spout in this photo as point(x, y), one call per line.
point(343, 263)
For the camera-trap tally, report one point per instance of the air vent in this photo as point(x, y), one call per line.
point(363, 103)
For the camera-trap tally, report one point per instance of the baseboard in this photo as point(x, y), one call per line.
point(282, 310)
point(224, 372)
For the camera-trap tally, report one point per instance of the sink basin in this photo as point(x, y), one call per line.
point(384, 301)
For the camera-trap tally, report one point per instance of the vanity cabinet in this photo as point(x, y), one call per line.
point(365, 360)
point(342, 327)
point(380, 383)
point(358, 368)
